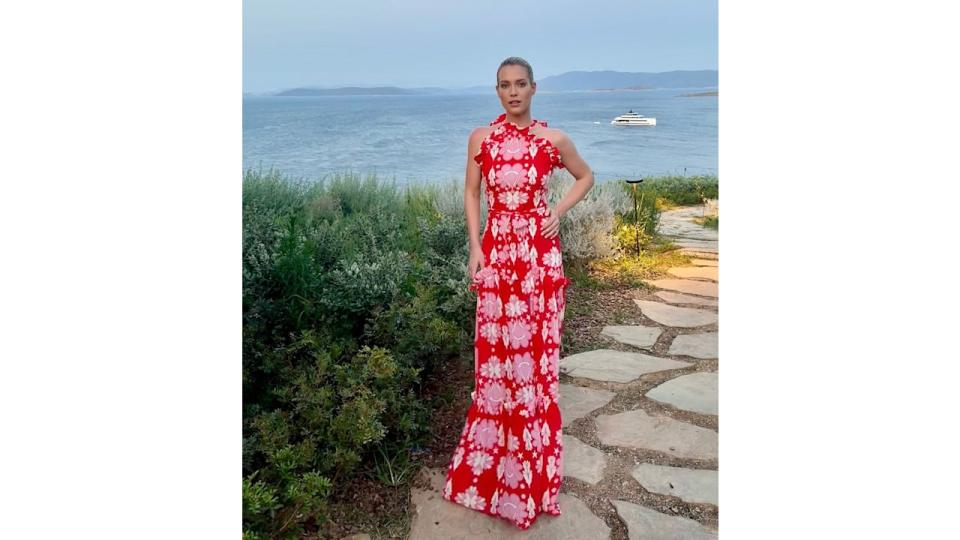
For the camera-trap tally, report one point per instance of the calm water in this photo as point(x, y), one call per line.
point(424, 138)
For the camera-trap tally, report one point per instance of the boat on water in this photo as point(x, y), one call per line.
point(633, 119)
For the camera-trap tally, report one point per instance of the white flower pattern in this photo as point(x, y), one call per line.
point(508, 462)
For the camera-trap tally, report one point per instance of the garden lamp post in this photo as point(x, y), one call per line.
point(636, 209)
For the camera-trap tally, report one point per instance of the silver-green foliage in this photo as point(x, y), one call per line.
point(585, 230)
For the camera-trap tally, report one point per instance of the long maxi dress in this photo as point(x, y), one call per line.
point(509, 460)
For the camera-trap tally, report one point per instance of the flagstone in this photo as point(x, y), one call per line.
point(695, 392)
point(688, 286)
point(646, 524)
point(580, 460)
point(696, 345)
point(680, 298)
point(615, 366)
point(691, 485)
point(714, 255)
point(705, 272)
point(637, 429)
point(681, 317)
point(638, 336)
point(578, 401)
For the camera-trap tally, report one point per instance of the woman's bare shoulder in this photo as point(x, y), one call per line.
point(481, 132)
point(554, 135)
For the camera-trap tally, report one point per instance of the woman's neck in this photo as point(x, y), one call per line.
point(521, 121)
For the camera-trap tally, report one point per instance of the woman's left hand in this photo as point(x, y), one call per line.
point(551, 225)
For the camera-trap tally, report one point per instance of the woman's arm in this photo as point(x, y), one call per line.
point(582, 174)
point(471, 202)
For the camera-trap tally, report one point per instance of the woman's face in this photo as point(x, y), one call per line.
point(515, 89)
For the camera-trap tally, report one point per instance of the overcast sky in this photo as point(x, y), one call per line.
point(288, 43)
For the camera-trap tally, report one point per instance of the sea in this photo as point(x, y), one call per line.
point(423, 138)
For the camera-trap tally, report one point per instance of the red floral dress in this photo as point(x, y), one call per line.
point(509, 461)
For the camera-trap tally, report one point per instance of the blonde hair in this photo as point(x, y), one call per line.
point(515, 61)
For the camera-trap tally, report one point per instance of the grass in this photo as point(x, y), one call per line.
point(617, 272)
point(673, 191)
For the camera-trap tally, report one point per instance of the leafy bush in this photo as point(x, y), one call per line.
point(418, 332)
point(353, 292)
point(326, 420)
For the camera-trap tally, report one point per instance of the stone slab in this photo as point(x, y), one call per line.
point(696, 345)
point(690, 485)
point(700, 254)
point(680, 317)
point(703, 272)
point(703, 262)
point(700, 248)
point(646, 524)
point(638, 336)
point(615, 366)
point(637, 429)
point(680, 298)
point(679, 222)
point(709, 246)
point(578, 401)
point(688, 286)
point(695, 392)
point(580, 460)
point(436, 518)
point(678, 232)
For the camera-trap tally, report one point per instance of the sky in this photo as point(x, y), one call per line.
point(413, 43)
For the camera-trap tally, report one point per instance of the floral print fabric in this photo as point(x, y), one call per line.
point(509, 460)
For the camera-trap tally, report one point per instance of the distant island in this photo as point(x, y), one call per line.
point(349, 91)
point(639, 88)
point(571, 81)
point(698, 94)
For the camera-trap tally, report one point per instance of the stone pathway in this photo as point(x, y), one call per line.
point(694, 239)
point(640, 428)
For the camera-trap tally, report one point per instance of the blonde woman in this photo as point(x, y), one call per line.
point(509, 460)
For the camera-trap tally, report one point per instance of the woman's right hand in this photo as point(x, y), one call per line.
point(475, 262)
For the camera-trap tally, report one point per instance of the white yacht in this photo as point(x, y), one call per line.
point(633, 119)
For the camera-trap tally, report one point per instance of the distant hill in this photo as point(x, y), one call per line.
point(582, 81)
point(700, 94)
point(351, 91)
point(640, 88)
point(571, 81)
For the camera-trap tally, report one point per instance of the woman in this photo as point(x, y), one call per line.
point(509, 461)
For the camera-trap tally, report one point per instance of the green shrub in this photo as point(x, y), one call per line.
point(353, 292)
point(419, 332)
point(327, 421)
